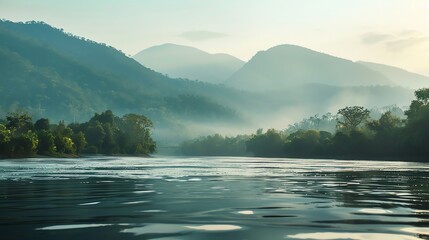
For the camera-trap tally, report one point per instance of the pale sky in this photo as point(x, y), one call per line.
point(393, 32)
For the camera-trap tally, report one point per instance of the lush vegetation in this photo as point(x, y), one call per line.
point(104, 133)
point(356, 136)
point(216, 145)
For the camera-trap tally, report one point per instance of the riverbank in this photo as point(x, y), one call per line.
point(64, 155)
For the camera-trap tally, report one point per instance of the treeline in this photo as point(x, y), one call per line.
point(216, 145)
point(104, 133)
point(356, 136)
point(328, 122)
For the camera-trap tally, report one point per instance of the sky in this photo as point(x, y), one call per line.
point(393, 32)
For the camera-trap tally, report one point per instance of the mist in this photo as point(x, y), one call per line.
point(206, 93)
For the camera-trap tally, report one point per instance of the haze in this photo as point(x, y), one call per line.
point(394, 32)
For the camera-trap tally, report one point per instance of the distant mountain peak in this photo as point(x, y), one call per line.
point(287, 46)
point(287, 65)
point(171, 45)
point(399, 76)
point(181, 61)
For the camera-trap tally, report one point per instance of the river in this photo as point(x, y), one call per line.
point(171, 198)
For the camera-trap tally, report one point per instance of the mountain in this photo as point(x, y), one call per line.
point(54, 74)
point(285, 66)
point(399, 76)
point(187, 62)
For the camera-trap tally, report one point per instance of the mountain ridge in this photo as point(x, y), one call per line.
point(181, 61)
point(287, 65)
point(46, 58)
point(399, 76)
point(47, 77)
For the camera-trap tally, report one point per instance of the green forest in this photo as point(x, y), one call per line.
point(104, 133)
point(357, 136)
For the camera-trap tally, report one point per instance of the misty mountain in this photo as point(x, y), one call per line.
point(399, 76)
point(179, 61)
point(53, 74)
point(57, 75)
point(286, 66)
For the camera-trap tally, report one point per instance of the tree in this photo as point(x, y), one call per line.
point(24, 144)
point(95, 134)
point(61, 130)
point(46, 142)
point(62, 135)
point(19, 122)
point(270, 144)
point(5, 137)
point(303, 143)
point(23, 141)
point(104, 117)
point(79, 141)
point(109, 145)
point(416, 132)
point(385, 124)
point(352, 117)
point(386, 141)
point(420, 105)
point(137, 128)
point(422, 96)
point(42, 124)
point(64, 145)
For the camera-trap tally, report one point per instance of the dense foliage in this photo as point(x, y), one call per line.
point(356, 136)
point(104, 133)
point(326, 122)
point(215, 145)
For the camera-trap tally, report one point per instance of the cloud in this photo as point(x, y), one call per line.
point(397, 41)
point(199, 36)
point(402, 43)
point(373, 38)
point(409, 33)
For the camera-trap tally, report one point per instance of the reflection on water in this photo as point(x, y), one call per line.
point(248, 212)
point(213, 198)
point(214, 227)
point(351, 236)
point(72, 226)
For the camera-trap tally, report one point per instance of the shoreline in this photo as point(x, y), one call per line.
point(73, 156)
point(335, 158)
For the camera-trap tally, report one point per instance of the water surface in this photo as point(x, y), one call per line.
point(213, 198)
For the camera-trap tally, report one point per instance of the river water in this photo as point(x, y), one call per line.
point(170, 198)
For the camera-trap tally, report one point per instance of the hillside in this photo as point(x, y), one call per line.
point(399, 76)
point(286, 66)
point(57, 75)
point(187, 62)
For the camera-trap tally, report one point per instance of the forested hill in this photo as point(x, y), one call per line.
point(89, 53)
point(54, 74)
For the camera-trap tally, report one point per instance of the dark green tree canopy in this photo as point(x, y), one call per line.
point(352, 117)
point(422, 96)
point(385, 124)
point(19, 121)
point(42, 124)
point(104, 133)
